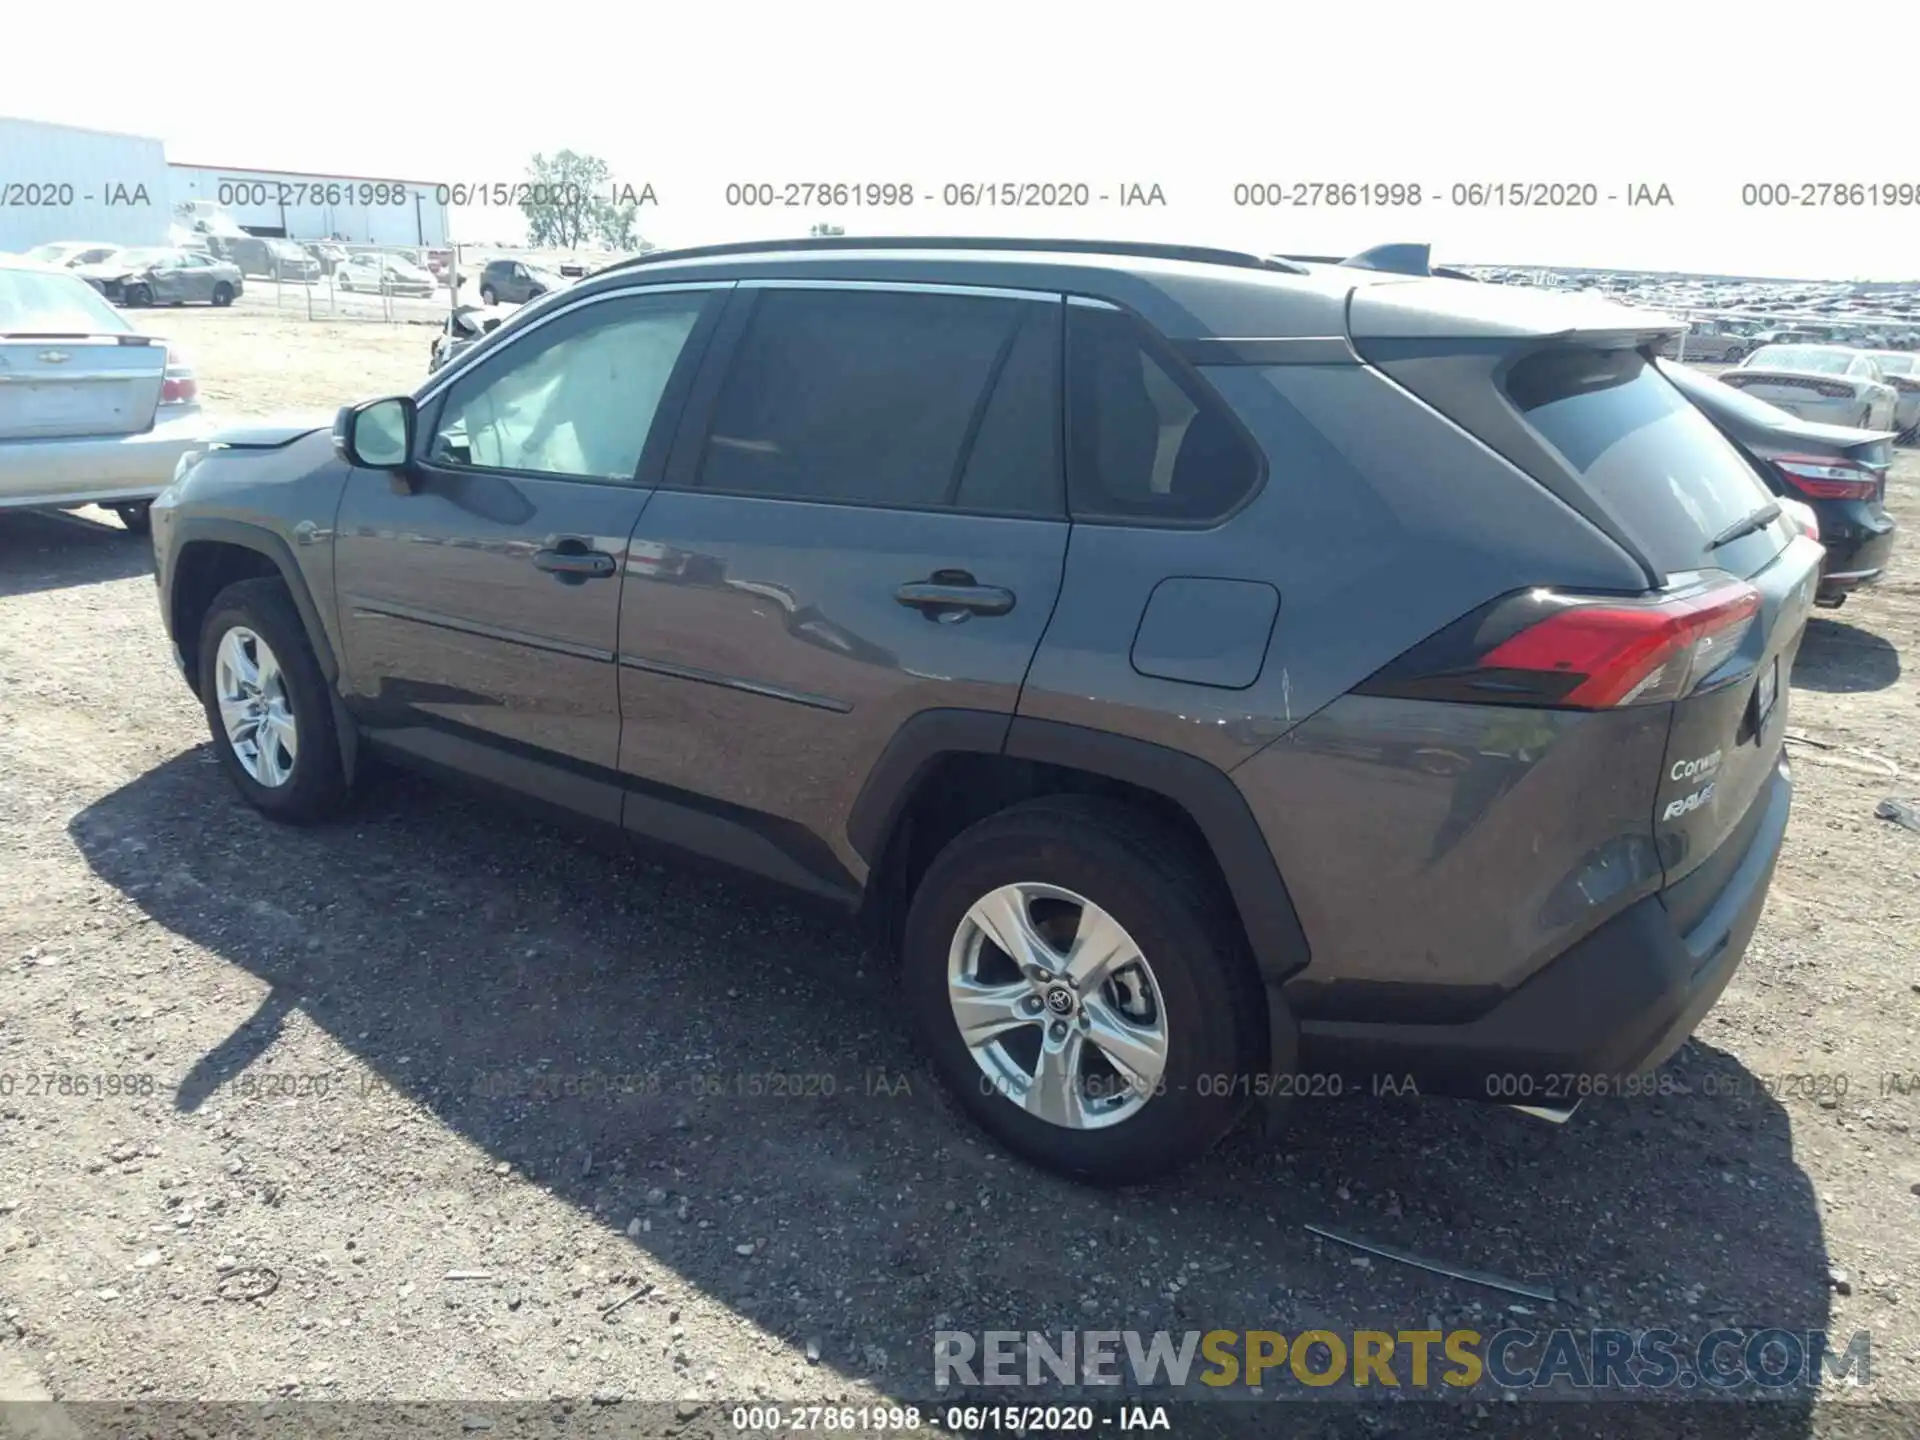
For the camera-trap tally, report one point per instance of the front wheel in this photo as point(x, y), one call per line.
point(1083, 989)
point(136, 517)
point(223, 294)
point(487, 297)
point(135, 295)
point(267, 703)
point(1735, 353)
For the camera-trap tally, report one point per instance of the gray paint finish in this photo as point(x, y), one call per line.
point(1206, 631)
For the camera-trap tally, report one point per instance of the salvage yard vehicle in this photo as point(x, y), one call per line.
point(465, 325)
point(1831, 383)
point(942, 580)
point(383, 275)
point(164, 277)
point(70, 254)
point(1901, 369)
point(1707, 340)
point(93, 412)
point(1840, 474)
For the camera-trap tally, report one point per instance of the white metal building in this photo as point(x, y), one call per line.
point(305, 206)
point(62, 182)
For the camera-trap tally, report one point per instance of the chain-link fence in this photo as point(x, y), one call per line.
point(400, 284)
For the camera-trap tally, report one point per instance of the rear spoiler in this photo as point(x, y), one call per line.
point(1391, 259)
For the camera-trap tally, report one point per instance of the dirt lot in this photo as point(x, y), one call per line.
point(358, 1160)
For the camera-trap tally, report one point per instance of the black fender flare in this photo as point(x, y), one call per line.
point(217, 530)
point(1207, 794)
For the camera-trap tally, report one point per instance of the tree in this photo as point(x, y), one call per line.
point(570, 200)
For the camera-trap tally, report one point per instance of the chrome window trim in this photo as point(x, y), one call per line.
point(451, 372)
point(906, 287)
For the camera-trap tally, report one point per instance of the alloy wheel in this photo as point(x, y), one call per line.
point(1058, 1006)
point(255, 708)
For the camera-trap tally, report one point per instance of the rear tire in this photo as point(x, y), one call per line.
point(487, 296)
point(1735, 354)
point(137, 517)
point(1199, 1000)
point(305, 781)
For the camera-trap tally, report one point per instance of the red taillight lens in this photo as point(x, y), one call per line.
point(1825, 478)
point(1626, 655)
point(179, 387)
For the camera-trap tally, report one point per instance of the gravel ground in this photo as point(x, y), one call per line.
point(358, 1150)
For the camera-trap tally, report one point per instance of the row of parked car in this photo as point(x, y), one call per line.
point(216, 273)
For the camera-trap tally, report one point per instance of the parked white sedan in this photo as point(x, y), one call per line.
point(92, 411)
point(1829, 383)
point(1902, 371)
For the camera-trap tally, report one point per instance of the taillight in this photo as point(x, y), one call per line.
point(179, 387)
point(1824, 478)
point(1555, 651)
point(1802, 516)
point(1835, 392)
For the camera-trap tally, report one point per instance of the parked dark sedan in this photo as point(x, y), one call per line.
point(1837, 471)
point(164, 277)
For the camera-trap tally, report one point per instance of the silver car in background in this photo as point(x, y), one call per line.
point(1827, 383)
point(164, 277)
point(91, 410)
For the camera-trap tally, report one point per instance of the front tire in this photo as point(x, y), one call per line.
point(223, 294)
point(267, 703)
point(137, 295)
point(1118, 1045)
point(137, 517)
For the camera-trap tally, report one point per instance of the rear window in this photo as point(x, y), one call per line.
point(54, 303)
point(1658, 465)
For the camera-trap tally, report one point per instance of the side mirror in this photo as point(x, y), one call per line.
point(376, 435)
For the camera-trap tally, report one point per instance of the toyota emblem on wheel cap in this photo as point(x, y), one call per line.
point(1060, 1000)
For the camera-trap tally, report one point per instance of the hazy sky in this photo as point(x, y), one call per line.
point(1194, 97)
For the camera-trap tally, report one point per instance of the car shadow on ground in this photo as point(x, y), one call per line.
point(1840, 658)
point(655, 1045)
point(53, 549)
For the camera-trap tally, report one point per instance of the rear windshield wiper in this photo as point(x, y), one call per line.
point(1758, 520)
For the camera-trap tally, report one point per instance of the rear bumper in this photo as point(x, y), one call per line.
point(98, 468)
point(1858, 549)
point(1613, 1005)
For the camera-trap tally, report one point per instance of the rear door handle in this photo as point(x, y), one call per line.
point(571, 560)
point(953, 595)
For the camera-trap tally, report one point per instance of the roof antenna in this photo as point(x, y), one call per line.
point(1394, 259)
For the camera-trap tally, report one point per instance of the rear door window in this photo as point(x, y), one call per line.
point(891, 398)
point(1659, 466)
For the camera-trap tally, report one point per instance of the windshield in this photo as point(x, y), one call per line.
point(1800, 357)
point(46, 303)
point(137, 257)
point(1896, 364)
point(50, 254)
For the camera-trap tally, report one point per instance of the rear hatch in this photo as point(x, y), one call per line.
point(1569, 392)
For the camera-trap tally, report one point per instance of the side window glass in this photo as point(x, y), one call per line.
point(575, 396)
point(1015, 466)
point(1148, 441)
point(868, 396)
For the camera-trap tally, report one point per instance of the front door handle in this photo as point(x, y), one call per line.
point(572, 561)
point(952, 595)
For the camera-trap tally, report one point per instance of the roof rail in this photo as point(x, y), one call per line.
point(1199, 254)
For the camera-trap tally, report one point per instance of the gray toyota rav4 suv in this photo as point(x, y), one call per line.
point(1216, 677)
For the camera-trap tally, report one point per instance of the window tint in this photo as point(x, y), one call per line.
point(877, 397)
point(1655, 461)
point(1148, 441)
point(573, 397)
